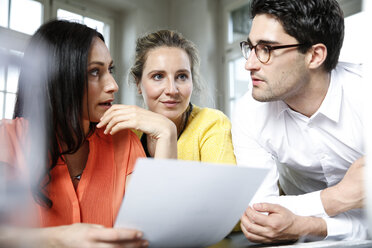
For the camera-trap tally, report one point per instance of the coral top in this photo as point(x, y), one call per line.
point(101, 189)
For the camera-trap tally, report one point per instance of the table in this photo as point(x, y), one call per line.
point(238, 240)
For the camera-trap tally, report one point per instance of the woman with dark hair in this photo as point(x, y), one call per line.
point(68, 76)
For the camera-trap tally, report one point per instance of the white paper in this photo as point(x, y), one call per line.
point(186, 203)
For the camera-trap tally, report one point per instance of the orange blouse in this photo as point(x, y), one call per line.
point(99, 194)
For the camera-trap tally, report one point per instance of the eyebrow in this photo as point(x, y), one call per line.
point(99, 63)
point(264, 42)
point(163, 71)
point(184, 70)
point(155, 71)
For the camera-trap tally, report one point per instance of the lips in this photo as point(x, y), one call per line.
point(256, 80)
point(170, 103)
point(107, 104)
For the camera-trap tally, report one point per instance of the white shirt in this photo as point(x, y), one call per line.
point(305, 154)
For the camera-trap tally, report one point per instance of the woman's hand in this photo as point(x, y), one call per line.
point(75, 235)
point(161, 132)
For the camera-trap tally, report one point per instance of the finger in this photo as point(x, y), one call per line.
point(267, 207)
point(115, 235)
point(109, 114)
point(121, 126)
point(253, 227)
point(120, 115)
point(257, 217)
point(112, 109)
point(251, 236)
point(119, 121)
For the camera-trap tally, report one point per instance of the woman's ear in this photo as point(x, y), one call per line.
point(316, 56)
point(139, 90)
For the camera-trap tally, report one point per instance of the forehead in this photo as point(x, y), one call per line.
point(167, 58)
point(99, 51)
point(267, 28)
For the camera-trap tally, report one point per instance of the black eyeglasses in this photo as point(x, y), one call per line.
point(262, 51)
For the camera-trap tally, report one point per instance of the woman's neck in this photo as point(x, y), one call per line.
point(180, 123)
point(77, 161)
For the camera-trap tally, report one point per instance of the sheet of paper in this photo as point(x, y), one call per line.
point(185, 203)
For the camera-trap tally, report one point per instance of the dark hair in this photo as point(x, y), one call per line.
point(165, 38)
point(58, 53)
point(310, 22)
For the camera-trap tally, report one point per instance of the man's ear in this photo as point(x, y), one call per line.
point(316, 56)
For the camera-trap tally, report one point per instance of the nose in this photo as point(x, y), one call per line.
point(111, 86)
point(252, 63)
point(171, 87)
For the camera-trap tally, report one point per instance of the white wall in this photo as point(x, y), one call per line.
point(140, 17)
point(196, 20)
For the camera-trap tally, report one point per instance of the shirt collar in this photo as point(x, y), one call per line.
point(331, 105)
point(281, 106)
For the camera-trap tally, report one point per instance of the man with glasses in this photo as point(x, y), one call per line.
point(303, 119)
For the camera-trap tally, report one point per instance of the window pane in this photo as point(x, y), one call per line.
point(4, 7)
point(1, 105)
point(353, 35)
point(239, 23)
point(106, 34)
point(101, 27)
point(239, 79)
point(94, 24)
point(2, 78)
point(12, 79)
point(28, 10)
point(9, 105)
point(67, 15)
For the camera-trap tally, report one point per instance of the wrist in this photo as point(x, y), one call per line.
point(169, 133)
point(333, 202)
point(311, 226)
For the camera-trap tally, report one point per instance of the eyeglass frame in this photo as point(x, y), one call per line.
point(269, 47)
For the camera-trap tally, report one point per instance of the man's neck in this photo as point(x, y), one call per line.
point(310, 97)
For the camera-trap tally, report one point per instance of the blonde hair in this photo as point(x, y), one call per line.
point(165, 38)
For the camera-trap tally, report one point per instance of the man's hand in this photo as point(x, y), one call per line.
point(272, 223)
point(348, 193)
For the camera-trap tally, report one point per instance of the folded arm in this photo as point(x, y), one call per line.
point(161, 131)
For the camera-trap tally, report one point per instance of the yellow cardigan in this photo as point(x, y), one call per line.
point(207, 137)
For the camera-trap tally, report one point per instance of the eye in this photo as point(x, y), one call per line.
point(157, 76)
point(112, 69)
point(265, 49)
point(94, 72)
point(183, 76)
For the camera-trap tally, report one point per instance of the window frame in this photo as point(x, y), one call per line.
point(92, 12)
point(231, 51)
point(14, 40)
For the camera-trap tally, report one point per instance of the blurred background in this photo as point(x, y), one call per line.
point(215, 26)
